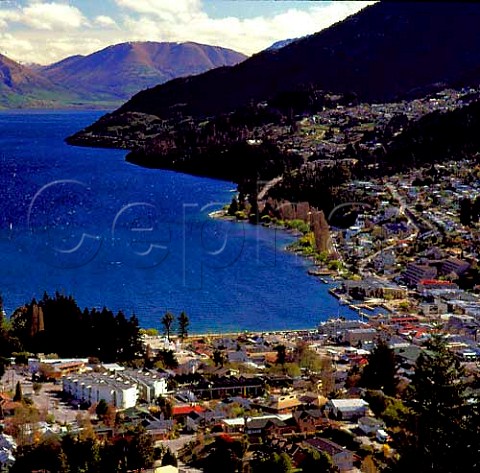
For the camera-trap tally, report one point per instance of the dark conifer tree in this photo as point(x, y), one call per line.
point(18, 397)
point(281, 354)
point(381, 369)
point(183, 324)
point(444, 430)
point(169, 459)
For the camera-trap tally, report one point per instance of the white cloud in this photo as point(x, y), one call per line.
point(105, 21)
point(182, 20)
point(47, 31)
point(184, 9)
point(6, 16)
point(11, 43)
point(50, 16)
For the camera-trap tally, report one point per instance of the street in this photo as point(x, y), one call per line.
point(47, 401)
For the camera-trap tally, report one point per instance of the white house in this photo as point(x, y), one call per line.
point(347, 409)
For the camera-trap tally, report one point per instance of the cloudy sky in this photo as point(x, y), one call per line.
point(44, 31)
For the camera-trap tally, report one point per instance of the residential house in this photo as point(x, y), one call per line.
point(433, 309)
point(384, 260)
point(281, 404)
point(180, 412)
point(241, 424)
point(407, 358)
point(59, 367)
point(7, 406)
point(399, 230)
point(159, 429)
point(370, 425)
point(427, 287)
point(237, 356)
point(262, 355)
point(310, 420)
point(337, 327)
point(264, 426)
point(224, 386)
point(342, 458)
point(312, 400)
point(194, 419)
point(391, 212)
point(188, 365)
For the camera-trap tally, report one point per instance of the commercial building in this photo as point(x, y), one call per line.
point(417, 272)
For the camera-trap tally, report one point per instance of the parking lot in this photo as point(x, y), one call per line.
point(48, 400)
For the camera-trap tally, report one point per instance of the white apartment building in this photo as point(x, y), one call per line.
point(150, 385)
point(121, 389)
point(93, 387)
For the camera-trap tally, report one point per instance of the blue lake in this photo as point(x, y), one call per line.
point(84, 222)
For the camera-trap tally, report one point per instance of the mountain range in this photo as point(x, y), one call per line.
point(281, 44)
point(22, 87)
point(388, 51)
point(108, 77)
point(243, 122)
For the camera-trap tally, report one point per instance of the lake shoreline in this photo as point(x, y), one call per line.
point(243, 285)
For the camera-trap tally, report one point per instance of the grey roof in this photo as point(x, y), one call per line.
point(325, 445)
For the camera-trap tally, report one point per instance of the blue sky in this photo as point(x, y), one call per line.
point(44, 31)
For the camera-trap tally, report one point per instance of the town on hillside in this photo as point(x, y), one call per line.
point(354, 395)
point(392, 389)
point(362, 141)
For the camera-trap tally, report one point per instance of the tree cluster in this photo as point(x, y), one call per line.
point(57, 325)
point(183, 322)
point(437, 421)
point(218, 147)
point(436, 137)
point(469, 211)
point(131, 451)
point(225, 456)
point(441, 434)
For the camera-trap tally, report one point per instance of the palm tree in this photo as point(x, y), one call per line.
point(183, 323)
point(167, 322)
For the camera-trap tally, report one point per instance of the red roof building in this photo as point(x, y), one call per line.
point(185, 410)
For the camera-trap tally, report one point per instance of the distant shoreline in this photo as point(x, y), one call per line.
point(241, 332)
